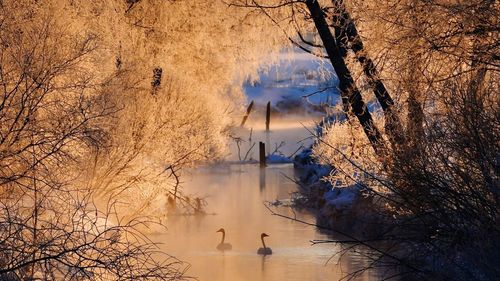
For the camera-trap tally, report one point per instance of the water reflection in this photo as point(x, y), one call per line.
point(263, 259)
point(233, 196)
point(262, 179)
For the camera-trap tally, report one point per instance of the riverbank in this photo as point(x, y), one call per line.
point(342, 209)
point(425, 246)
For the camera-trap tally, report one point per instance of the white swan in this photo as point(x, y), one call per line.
point(264, 250)
point(223, 246)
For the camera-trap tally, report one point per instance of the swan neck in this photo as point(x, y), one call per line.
point(263, 243)
point(223, 237)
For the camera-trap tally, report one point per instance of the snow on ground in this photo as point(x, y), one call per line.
point(342, 198)
point(296, 115)
point(278, 159)
point(284, 82)
point(296, 74)
point(288, 85)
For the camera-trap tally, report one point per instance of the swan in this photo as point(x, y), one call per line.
point(223, 246)
point(264, 250)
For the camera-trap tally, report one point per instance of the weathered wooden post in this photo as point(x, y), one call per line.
point(249, 109)
point(262, 154)
point(268, 116)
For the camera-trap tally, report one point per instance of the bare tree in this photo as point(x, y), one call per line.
point(53, 113)
point(351, 95)
point(435, 201)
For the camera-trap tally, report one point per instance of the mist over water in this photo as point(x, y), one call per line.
point(235, 195)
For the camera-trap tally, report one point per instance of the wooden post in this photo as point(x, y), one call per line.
point(268, 115)
point(249, 109)
point(262, 154)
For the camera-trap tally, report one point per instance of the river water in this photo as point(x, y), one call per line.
point(235, 196)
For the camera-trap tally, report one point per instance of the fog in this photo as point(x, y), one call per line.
point(235, 195)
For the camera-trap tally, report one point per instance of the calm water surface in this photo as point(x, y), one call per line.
point(235, 195)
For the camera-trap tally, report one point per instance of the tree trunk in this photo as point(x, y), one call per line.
point(413, 81)
point(345, 32)
point(347, 87)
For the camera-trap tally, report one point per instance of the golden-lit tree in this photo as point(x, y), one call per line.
point(174, 66)
point(102, 103)
point(437, 191)
point(432, 66)
point(53, 115)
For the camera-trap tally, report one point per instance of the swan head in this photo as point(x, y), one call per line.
point(263, 235)
point(221, 230)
